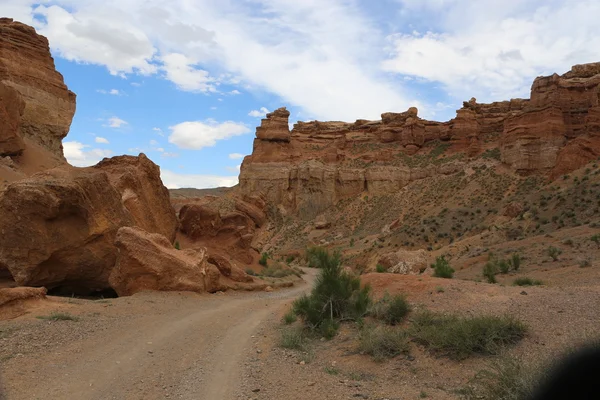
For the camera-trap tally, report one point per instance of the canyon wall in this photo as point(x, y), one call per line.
point(34, 99)
point(318, 163)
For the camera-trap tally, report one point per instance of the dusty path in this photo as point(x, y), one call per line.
point(193, 351)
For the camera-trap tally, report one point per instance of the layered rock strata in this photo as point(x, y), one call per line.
point(318, 163)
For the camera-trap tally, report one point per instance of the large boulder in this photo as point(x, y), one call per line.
point(58, 227)
point(148, 261)
point(405, 262)
point(142, 192)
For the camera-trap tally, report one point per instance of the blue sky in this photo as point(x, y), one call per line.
point(187, 81)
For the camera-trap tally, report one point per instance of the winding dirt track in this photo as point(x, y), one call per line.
point(194, 352)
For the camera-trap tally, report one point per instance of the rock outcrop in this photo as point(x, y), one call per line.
point(33, 95)
point(58, 227)
point(150, 262)
point(554, 132)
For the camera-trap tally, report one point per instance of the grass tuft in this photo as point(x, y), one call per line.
point(383, 342)
point(58, 316)
point(527, 282)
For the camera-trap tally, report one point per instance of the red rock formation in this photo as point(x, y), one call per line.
point(138, 181)
point(555, 132)
point(149, 262)
point(58, 227)
point(45, 105)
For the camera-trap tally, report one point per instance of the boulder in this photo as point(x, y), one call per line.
point(138, 181)
point(11, 110)
point(405, 262)
point(59, 226)
point(229, 269)
point(148, 261)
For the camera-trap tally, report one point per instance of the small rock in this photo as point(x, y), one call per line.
point(301, 363)
point(256, 390)
point(524, 293)
point(312, 383)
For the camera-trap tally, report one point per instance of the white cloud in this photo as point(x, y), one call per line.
point(114, 92)
point(101, 140)
point(116, 122)
point(158, 131)
point(166, 154)
point(77, 156)
point(259, 113)
point(174, 180)
point(136, 84)
point(197, 135)
point(235, 156)
point(98, 35)
point(234, 169)
point(235, 92)
point(181, 71)
point(493, 50)
point(320, 55)
point(153, 143)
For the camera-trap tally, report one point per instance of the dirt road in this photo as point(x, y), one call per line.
point(180, 347)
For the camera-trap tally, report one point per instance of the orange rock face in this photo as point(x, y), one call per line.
point(554, 132)
point(150, 262)
point(44, 108)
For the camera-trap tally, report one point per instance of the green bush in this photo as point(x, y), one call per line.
point(276, 270)
point(554, 252)
point(263, 259)
point(391, 310)
point(506, 378)
point(503, 266)
point(527, 282)
point(383, 342)
point(442, 268)
point(460, 337)
point(515, 261)
point(315, 256)
point(177, 245)
point(250, 272)
point(335, 295)
point(289, 318)
point(290, 259)
point(489, 271)
point(596, 239)
point(380, 268)
point(293, 338)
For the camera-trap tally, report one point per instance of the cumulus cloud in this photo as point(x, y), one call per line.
point(197, 135)
point(116, 122)
point(76, 154)
point(158, 131)
point(174, 180)
point(494, 49)
point(235, 92)
point(235, 156)
point(181, 70)
point(259, 113)
point(317, 55)
point(235, 169)
point(101, 140)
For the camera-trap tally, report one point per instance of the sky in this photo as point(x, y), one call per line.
point(187, 81)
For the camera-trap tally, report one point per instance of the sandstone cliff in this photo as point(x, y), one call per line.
point(34, 101)
point(319, 163)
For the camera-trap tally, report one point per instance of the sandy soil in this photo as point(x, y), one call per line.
point(148, 346)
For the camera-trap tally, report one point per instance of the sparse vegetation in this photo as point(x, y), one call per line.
point(527, 282)
point(177, 245)
point(596, 239)
point(380, 268)
point(315, 255)
point(460, 337)
point(335, 296)
point(293, 338)
point(506, 378)
point(289, 318)
point(391, 310)
point(250, 272)
point(442, 268)
point(59, 316)
point(489, 271)
point(263, 259)
point(383, 342)
point(554, 252)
